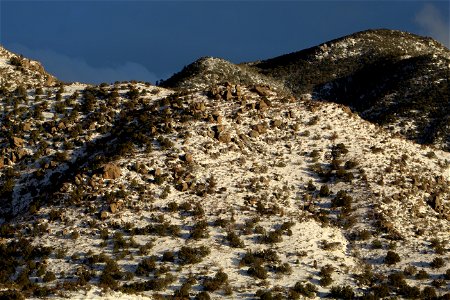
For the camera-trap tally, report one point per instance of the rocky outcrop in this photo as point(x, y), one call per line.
point(111, 171)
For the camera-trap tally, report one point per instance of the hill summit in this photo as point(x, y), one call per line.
point(395, 79)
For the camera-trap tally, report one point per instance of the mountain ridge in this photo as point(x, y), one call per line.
point(384, 75)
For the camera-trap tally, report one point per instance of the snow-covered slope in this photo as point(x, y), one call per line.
point(232, 191)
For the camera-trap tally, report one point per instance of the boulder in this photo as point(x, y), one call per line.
point(262, 91)
point(103, 215)
point(113, 208)
point(188, 158)
point(17, 142)
point(224, 137)
point(26, 126)
point(260, 128)
point(21, 153)
point(262, 105)
point(277, 123)
point(111, 171)
point(254, 134)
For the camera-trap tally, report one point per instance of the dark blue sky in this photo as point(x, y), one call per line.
point(96, 41)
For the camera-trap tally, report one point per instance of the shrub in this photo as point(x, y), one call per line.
point(325, 281)
point(168, 256)
point(391, 258)
point(429, 293)
point(411, 292)
point(215, 283)
point(234, 240)
point(342, 292)
point(397, 279)
point(202, 296)
point(189, 255)
point(342, 199)
point(306, 289)
point(257, 271)
point(422, 274)
point(264, 295)
point(199, 230)
point(284, 268)
point(272, 237)
point(447, 274)
point(380, 291)
point(11, 295)
point(49, 276)
point(324, 191)
point(146, 266)
point(377, 244)
point(251, 258)
point(437, 263)
point(111, 273)
point(410, 271)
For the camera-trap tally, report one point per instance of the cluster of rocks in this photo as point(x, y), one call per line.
point(14, 153)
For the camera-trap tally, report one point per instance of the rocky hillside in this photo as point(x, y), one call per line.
point(394, 79)
point(235, 191)
point(208, 72)
point(15, 71)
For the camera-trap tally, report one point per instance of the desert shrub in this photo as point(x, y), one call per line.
point(338, 150)
point(215, 283)
point(438, 283)
point(272, 237)
point(257, 271)
point(342, 199)
point(234, 240)
point(264, 295)
point(324, 191)
point(380, 291)
point(391, 258)
point(284, 268)
point(221, 222)
point(199, 230)
point(363, 235)
point(172, 206)
point(189, 255)
point(437, 263)
point(258, 257)
point(429, 293)
point(350, 164)
point(410, 292)
point(202, 296)
point(49, 276)
point(342, 292)
point(447, 274)
point(184, 290)
point(146, 266)
point(11, 295)
point(156, 284)
point(310, 186)
point(422, 274)
point(410, 271)
point(397, 279)
point(325, 281)
point(111, 273)
point(168, 256)
point(326, 270)
point(305, 289)
point(377, 244)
